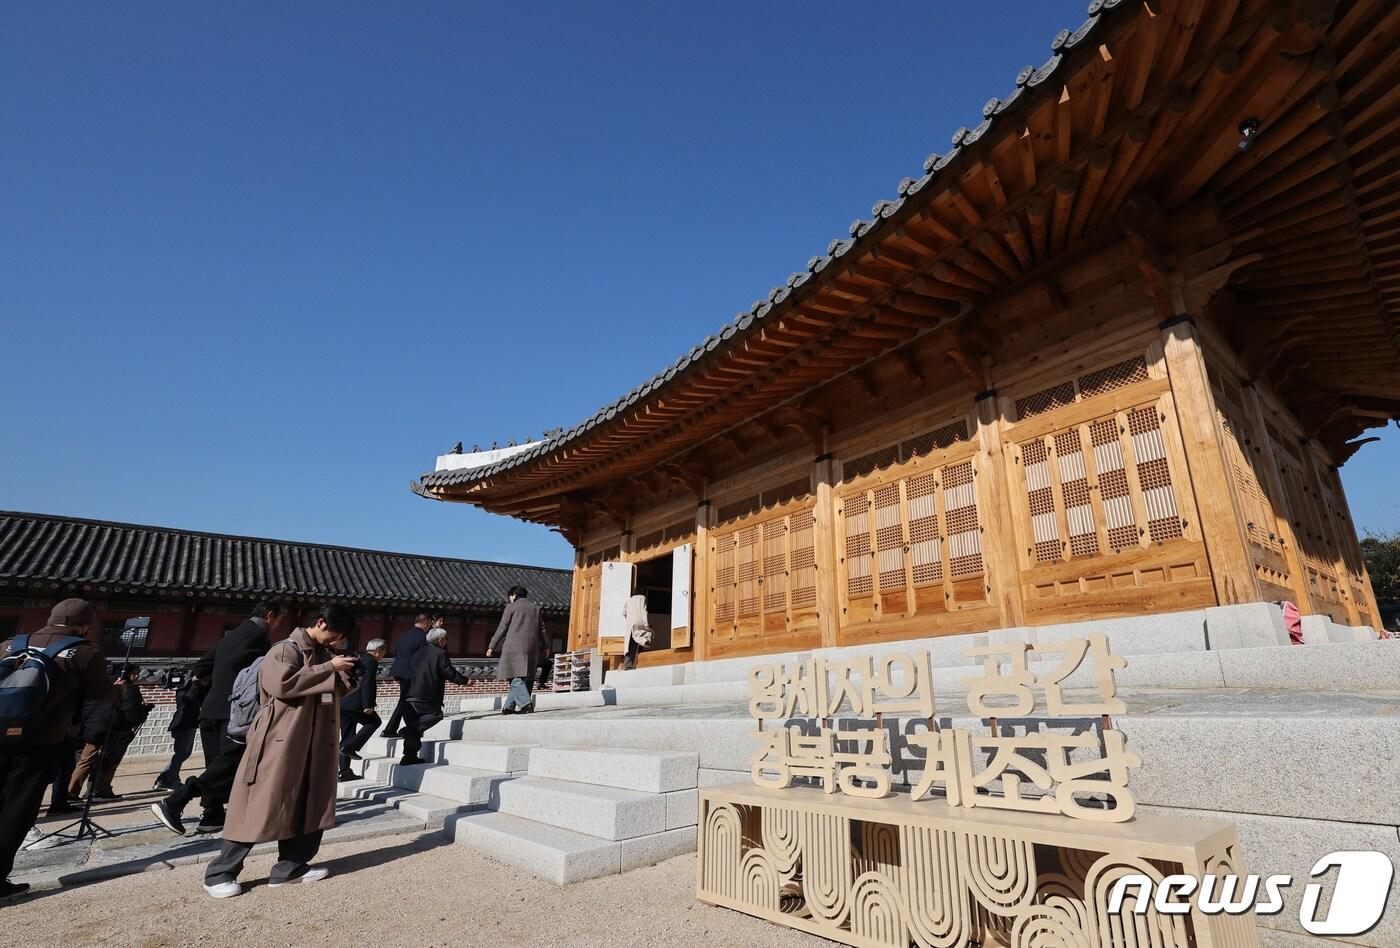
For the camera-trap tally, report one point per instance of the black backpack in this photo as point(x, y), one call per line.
point(25, 681)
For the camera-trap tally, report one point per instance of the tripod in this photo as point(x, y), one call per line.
point(84, 827)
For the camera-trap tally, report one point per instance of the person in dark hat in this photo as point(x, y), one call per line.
point(28, 761)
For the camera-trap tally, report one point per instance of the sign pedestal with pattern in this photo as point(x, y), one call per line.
point(1027, 847)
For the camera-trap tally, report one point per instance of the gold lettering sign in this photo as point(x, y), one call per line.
point(1033, 772)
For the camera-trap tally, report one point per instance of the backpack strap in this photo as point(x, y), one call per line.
point(18, 644)
point(63, 643)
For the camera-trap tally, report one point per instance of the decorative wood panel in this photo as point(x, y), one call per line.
point(1246, 458)
point(910, 539)
point(764, 583)
point(1105, 510)
point(1310, 529)
point(583, 620)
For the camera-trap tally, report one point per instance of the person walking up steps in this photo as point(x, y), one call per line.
point(285, 786)
point(521, 640)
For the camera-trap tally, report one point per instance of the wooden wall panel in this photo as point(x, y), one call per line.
point(910, 542)
point(763, 581)
point(1105, 518)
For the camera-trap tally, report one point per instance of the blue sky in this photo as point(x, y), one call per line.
point(259, 263)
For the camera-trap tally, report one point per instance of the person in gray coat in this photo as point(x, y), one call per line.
point(520, 640)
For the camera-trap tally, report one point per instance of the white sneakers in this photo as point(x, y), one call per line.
point(310, 875)
point(227, 890)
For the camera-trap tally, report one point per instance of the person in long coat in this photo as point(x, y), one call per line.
point(520, 640)
point(285, 785)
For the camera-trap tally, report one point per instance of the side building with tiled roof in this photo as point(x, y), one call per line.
point(196, 585)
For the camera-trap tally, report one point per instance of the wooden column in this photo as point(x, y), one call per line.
point(702, 591)
point(1278, 494)
point(575, 613)
point(188, 625)
point(1222, 527)
point(999, 559)
point(824, 517)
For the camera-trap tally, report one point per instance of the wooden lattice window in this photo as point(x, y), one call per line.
point(1103, 486)
point(804, 560)
point(1090, 385)
point(908, 540)
point(937, 439)
point(765, 578)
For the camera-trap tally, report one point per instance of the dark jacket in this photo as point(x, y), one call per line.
point(235, 652)
point(83, 675)
point(363, 698)
point(406, 649)
point(432, 670)
point(187, 703)
point(124, 718)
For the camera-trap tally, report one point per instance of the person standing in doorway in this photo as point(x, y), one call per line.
point(238, 649)
point(405, 650)
point(520, 640)
point(285, 786)
point(184, 726)
point(358, 718)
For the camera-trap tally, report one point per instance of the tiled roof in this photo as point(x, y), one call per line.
point(39, 548)
point(935, 166)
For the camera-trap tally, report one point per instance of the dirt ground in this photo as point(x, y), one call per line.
point(391, 891)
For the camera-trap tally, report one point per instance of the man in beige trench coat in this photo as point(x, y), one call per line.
point(285, 787)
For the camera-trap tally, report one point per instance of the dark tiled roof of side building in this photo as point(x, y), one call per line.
point(935, 167)
point(46, 549)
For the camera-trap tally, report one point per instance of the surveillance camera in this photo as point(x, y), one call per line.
point(1249, 129)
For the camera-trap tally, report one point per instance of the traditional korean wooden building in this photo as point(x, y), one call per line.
point(1101, 358)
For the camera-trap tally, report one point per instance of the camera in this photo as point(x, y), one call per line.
point(357, 671)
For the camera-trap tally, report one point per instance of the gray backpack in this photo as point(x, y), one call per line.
point(244, 700)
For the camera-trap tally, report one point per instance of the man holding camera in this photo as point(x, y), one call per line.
point(30, 752)
point(285, 786)
point(358, 718)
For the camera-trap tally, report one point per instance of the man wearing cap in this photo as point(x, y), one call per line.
point(27, 768)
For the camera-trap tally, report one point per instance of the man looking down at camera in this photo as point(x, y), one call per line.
point(285, 785)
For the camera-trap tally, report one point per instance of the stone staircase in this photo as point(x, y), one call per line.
point(561, 814)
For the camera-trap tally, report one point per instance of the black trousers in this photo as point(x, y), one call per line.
point(25, 772)
point(392, 727)
point(292, 856)
point(356, 728)
point(215, 784)
point(417, 718)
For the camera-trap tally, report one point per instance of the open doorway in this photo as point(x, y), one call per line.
point(654, 580)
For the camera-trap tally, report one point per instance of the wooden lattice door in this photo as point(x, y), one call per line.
point(910, 541)
point(583, 621)
point(764, 587)
point(1104, 507)
point(1310, 530)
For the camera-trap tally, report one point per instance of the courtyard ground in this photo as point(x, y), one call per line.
point(397, 890)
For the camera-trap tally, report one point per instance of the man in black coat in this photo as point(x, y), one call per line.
point(405, 651)
point(238, 649)
point(358, 718)
point(432, 670)
point(184, 726)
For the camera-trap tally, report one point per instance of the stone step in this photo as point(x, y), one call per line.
point(547, 852)
point(393, 747)
point(604, 812)
point(623, 768)
point(462, 785)
point(485, 755)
